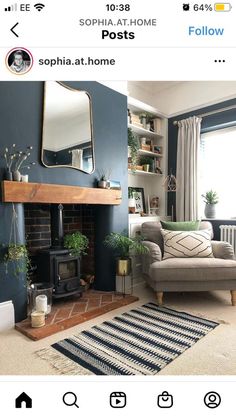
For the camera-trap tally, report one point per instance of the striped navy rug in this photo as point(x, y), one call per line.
point(139, 342)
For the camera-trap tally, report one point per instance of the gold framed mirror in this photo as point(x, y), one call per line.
point(67, 139)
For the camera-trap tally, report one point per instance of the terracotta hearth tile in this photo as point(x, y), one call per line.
point(107, 298)
point(93, 304)
point(63, 313)
point(79, 307)
point(71, 312)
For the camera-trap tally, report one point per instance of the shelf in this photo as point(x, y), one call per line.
point(142, 131)
point(144, 173)
point(150, 153)
point(13, 191)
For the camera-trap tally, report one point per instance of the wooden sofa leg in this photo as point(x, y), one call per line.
point(159, 296)
point(233, 297)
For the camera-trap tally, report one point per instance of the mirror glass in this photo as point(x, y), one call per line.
point(67, 128)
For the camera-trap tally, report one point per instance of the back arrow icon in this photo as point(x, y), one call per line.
point(13, 27)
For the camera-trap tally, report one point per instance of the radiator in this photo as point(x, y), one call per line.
point(228, 233)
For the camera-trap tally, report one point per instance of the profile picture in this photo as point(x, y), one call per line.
point(19, 61)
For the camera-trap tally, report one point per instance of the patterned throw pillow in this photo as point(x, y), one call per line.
point(183, 244)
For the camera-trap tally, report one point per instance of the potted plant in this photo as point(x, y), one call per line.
point(210, 199)
point(18, 254)
point(133, 148)
point(77, 243)
point(147, 163)
point(103, 182)
point(122, 245)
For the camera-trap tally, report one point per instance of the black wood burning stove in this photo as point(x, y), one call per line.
point(55, 265)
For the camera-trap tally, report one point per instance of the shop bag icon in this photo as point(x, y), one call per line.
point(165, 400)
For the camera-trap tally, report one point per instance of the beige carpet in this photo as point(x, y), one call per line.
point(215, 354)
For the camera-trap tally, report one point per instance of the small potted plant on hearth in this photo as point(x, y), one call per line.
point(122, 245)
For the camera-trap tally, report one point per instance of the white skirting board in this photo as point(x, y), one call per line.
point(7, 317)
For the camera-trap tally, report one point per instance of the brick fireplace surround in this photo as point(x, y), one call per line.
point(76, 218)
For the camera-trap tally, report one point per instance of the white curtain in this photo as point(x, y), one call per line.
point(187, 169)
point(77, 158)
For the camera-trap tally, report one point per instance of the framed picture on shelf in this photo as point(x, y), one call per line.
point(138, 194)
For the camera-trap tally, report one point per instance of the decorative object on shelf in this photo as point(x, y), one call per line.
point(147, 145)
point(211, 199)
point(14, 160)
point(40, 298)
point(133, 148)
point(138, 193)
point(104, 182)
point(123, 247)
point(77, 243)
point(147, 163)
point(24, 178)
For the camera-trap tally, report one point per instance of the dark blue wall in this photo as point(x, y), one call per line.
point(21, 115)
point(211, 122)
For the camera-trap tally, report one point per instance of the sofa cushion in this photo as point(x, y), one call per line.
point(183, 244)
point(181, 226)
point(193, 269)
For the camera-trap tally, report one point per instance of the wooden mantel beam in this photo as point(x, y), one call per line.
point(17, 192)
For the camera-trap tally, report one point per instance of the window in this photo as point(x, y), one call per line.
point(218, 169)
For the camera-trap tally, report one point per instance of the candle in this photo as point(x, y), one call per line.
point(37, 319)
point(41, 303)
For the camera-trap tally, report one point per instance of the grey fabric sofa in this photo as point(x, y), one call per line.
point(187, 274)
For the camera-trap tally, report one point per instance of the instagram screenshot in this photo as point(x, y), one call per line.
point(117, 207)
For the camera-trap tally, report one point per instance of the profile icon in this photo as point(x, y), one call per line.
point(19, 61)
point(212, 400)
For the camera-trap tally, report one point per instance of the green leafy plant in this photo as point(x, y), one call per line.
point(210, 198)
point(18, 254)
point(121, 244)
point(146, 160)
point(77, 243)
point(148, 116)
point(134, 144)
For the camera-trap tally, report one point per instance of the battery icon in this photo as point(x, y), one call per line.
point(222, 7)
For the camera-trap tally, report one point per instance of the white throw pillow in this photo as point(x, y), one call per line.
point(183, 244)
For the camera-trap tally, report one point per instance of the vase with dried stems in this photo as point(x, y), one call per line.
point(15, 161)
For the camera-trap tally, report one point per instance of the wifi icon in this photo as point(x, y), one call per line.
point(39, 6)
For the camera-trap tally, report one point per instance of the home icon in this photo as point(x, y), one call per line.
point(23, 400)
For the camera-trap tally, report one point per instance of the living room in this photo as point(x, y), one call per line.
point(51, 199)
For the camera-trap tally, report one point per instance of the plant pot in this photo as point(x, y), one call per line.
point(146, 167)
point(143, 121)
point(123, 267)
point(16, 175)
point(210, 210)
point(103, 184)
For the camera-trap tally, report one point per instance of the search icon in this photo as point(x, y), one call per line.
point(70, 399)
